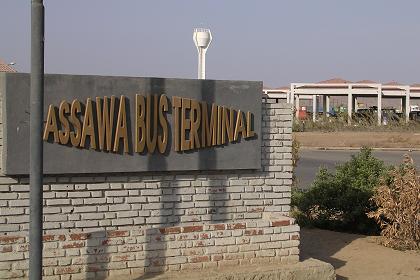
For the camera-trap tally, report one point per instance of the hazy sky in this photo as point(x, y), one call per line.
point(275, 41)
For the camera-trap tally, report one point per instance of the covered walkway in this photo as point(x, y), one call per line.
point(352, 91)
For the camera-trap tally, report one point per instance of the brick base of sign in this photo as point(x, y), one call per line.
point(138, 251)
point(100, 225)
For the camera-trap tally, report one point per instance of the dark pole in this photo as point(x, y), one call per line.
point(35, 139)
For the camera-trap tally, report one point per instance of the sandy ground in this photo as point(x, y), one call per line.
point(358, 139)
point(359, 257)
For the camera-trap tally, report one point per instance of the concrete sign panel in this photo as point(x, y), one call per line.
point(96, 124)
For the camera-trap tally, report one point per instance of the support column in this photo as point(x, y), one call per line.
point(349, 106)
point(297, 106)
point(355, 104)
point(324, 105)
point(292, 94)
point(327, 105)
point(314, 107)
point(379, 105)
point(407, 105)
point(402, 104)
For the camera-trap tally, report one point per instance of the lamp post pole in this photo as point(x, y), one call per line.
point(35, 139)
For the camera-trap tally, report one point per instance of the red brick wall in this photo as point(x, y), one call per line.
point(138, 251)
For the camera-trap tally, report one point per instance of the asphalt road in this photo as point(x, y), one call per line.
point(311, 160)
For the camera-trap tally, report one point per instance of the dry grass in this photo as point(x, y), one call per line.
point(396, 140)
point(340, 123)
point(398, 213)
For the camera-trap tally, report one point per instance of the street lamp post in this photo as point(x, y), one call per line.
point(35, 139)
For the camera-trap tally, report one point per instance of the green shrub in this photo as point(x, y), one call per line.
point(295, 159)
point(340, 200)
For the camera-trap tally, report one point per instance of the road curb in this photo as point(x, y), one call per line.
point(358, 148)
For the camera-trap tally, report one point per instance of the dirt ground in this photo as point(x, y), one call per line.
point(407, 140)
point(359, 257)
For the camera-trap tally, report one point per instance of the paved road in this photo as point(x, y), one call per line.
point(311, 160)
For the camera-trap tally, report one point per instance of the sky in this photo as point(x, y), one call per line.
point(275, 41)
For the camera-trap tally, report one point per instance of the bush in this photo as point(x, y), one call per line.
point(340, 200)
point(322, 123)
point(340, 123)
point(295, 159)
point(398, 212)
point(295, 152)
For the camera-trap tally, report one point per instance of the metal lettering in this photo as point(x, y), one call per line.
point(219, 125)
point(227, 124)
point(176, 104)
point(249, 131)
point(64, 132)
point(185, 124)
point(140, 124)
point(121, 131)
point(163, 139)
point(105, 117)
point(240, 126)
point(208, 131)
point(88, 126)
point(195, 117)
point(51, 125)
point(75, 122)
point(151, 141)
point(193, 126)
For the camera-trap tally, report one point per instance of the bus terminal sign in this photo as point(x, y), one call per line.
point(96, 124)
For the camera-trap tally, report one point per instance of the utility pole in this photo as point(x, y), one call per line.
point(35, 139)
